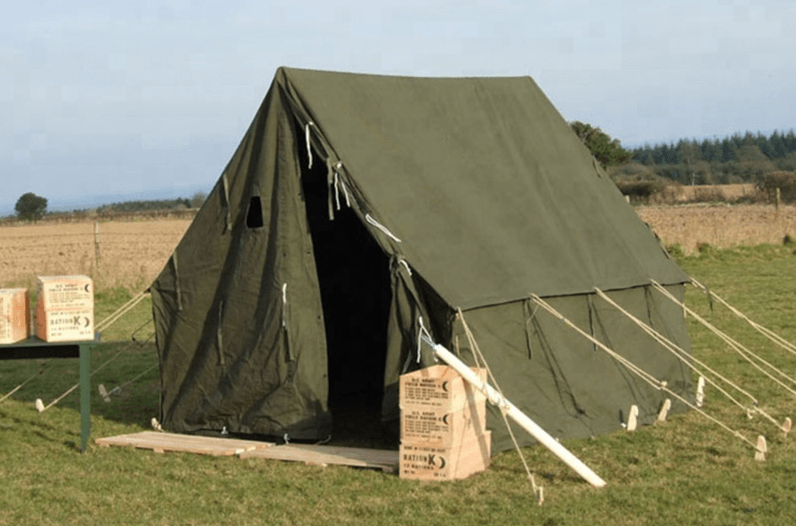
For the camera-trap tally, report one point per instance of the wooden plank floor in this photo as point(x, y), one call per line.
point(161, 442)
point(386, 461)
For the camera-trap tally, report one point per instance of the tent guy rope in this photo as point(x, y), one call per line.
point(733, 344)
point(481, 361)
point(686, 358)
point(121, 311)
point(42, 408)
point(118, 388)
point(778, 340)
point(660, 385)
point(20, 386)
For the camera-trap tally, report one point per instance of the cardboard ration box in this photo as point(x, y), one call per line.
point(440, 427)
point(438, 387)
point(443, 425)
point(14, 315)
point(65, 292)
point(65, 308)
point(424, 462)
point(65, 325)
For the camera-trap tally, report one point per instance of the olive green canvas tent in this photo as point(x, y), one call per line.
point(359, 210)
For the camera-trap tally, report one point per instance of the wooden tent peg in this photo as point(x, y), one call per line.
point(632, 418)
point(701, 395)
point(104, 393)
point(761, 448)
point(664, 411)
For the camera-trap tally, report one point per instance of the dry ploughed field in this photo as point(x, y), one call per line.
point(721, 226)
point(132, 253)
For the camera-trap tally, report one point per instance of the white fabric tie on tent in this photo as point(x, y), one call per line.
point(422, 333)
point(403, 262)
point(335, 182)
point(381, 227)
point(338, 184)
point(284, 302)
point(307, 140)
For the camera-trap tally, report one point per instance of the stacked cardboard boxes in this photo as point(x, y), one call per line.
point(14, 315)
point(65, 308)
point(443, 419)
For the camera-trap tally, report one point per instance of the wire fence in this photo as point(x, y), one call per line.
point(114, 253)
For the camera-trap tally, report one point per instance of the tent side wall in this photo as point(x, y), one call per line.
point(564, 382)
point(239, 329)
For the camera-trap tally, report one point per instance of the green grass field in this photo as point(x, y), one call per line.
point(686, 471)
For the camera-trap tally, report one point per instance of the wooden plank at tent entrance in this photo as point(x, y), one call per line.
point(376, 456)
point(161, 442)
point(386, 461)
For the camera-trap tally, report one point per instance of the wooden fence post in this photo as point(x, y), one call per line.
point(96, 244)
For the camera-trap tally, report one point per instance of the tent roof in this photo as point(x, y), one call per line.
point(484, 183)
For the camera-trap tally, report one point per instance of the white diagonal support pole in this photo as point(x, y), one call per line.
point(516, 414)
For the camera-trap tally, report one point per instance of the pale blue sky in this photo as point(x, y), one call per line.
point(112, 98)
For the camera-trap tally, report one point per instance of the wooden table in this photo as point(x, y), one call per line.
point(33, 349)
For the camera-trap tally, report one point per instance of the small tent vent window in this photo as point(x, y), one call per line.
point(254, 216)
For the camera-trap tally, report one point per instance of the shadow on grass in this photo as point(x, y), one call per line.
point(128, 369)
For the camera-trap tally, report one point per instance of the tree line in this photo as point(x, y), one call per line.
point(739, 158)
point(150, 205)
point(32, 207)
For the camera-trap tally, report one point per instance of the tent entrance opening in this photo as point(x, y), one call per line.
point(355, 294)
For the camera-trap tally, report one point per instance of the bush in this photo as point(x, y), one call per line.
point(709, 195)
point(676, 251)
point(705, 249)
point(769, 184)
point(640, 190)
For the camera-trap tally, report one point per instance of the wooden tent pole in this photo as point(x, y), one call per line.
point(517, 415)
